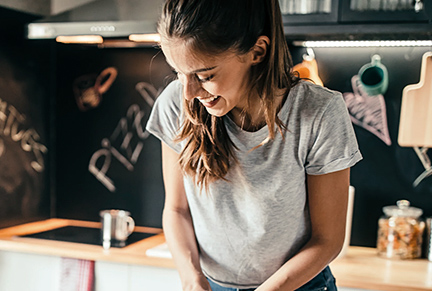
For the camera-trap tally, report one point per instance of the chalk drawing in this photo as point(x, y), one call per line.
point(367, 111)
point(130, 127)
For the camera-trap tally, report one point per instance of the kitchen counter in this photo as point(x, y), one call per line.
point(359, 268)
point(362, 268)
point(131, 254)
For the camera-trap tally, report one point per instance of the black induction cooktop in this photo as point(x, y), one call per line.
point(84, 235)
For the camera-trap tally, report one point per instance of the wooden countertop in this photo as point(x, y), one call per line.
point(359, 268)
point(131, 254)
point(363, 268)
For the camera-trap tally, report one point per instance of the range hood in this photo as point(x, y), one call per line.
point(102, 18)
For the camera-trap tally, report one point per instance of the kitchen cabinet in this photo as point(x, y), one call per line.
point(357, 19)
point(113, 276)
point(15, 266)
point(310, 11)
point(109, 276)
point(385, 11)
point(20, 271)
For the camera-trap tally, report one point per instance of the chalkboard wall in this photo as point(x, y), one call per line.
point(24, 144)
point(104, 157)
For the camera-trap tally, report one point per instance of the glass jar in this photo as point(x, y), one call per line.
point(400, 231)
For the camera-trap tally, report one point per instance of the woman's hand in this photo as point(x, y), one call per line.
point(200, 284)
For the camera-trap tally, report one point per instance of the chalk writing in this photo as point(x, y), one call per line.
point(12, 124)
point(148, 92)
point(120, 145)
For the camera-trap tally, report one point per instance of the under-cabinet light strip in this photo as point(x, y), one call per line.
point(364, 43)
point(89, 39)
point(151, 37)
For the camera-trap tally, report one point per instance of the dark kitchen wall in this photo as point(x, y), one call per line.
point(105, 160)
point(24, 138)
point(104, 157)
point(387, 172)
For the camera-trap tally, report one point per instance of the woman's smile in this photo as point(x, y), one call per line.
point(209, 101)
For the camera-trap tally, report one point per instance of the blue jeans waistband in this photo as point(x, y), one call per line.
point(324, 281)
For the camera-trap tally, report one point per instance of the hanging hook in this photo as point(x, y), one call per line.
point(424, 158)
point(310, 52)
point(309, 55)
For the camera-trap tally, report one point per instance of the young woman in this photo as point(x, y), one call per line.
point(255, 161)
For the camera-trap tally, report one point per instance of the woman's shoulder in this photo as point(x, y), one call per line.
point(165, 118)
point(307, 96)
point(168, 104)
point(314, 93)
point(171, 95)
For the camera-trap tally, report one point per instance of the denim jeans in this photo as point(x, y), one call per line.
point(324, 281)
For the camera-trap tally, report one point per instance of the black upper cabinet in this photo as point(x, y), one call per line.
point(357, 19)
point(309, 11)
point(385, 11)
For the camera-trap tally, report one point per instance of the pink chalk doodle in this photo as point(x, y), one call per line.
point(367, 111)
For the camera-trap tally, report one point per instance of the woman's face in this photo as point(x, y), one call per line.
point(219, 82)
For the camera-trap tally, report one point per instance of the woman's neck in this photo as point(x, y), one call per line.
point(252, 117)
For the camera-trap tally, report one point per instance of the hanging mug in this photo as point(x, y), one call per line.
point(88, 89)
point(374, 77)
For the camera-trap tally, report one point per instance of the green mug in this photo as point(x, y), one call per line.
point(374, 77)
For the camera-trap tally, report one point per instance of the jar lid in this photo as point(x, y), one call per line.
point(402, 209)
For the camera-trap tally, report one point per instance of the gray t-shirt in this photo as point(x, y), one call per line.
point(248, 227)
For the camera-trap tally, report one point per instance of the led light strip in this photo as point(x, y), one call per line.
point(364, 43)
point(152, 38)
point(97, 39)
point(90, 39)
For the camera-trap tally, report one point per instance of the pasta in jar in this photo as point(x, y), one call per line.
point(400, 232)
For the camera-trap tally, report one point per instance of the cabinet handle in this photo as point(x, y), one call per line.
point(418, 6)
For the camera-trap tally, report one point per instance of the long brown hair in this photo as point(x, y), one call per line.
point(213, 27)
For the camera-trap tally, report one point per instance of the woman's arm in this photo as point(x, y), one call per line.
point(328, 199)
point(177, 225)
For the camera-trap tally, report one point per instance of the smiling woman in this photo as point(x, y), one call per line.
point(255, 161)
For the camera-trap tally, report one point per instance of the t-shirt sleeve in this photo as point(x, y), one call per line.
point(334, 147)
point(165, 118)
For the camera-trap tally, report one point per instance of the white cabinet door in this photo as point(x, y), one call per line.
point(145, 278)
point(21, 271)
point(111, 276)
point(114, 277)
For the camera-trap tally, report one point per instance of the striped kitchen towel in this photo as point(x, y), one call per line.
point(76, 275)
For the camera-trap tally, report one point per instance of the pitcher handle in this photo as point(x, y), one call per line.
point(131, 225)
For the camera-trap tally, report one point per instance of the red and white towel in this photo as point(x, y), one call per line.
point(76, 275)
